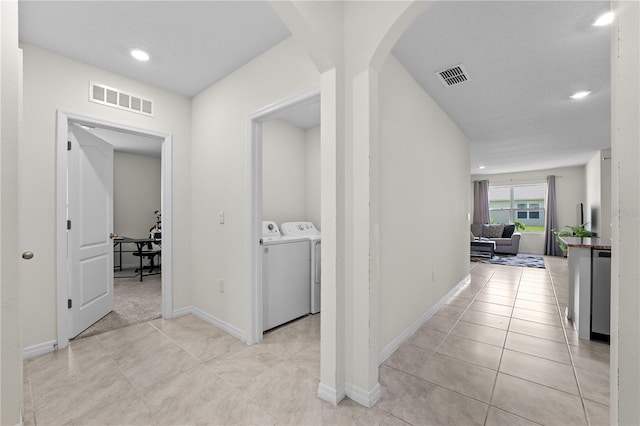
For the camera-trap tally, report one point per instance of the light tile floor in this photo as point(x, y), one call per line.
point(498, 353)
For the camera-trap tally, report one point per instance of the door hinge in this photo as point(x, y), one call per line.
point(68, 145)
point(69, 303)
point(68, 225)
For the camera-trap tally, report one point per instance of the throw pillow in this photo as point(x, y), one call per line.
point(492, 231)
point(508, 231)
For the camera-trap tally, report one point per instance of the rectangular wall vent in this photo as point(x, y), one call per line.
point(105, 95)
point(453, 76)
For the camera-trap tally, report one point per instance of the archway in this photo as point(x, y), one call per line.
point(331, 34)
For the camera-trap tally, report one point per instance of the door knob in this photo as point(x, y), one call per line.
point(27, 255)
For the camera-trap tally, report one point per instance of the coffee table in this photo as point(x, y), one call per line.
point(483, 248)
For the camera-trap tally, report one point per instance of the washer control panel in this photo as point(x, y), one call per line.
point(270, 229)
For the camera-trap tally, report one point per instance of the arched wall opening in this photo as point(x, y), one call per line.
point(352, 209)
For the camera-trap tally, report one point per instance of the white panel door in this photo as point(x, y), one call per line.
point(90, 210)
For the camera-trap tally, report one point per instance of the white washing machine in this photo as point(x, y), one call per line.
point(285, 276)
point(308, 230)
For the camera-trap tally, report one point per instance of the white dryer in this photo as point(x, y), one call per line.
point(285, 276)
point(308, 230)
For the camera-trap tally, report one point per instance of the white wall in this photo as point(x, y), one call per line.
point(625, 268)
point(424, 201)
point(11, 294)
point(570, 190)
point(290, 173)
point(52, 82)
point(136, 196)
point(219, 174)
point(312, 153)
point(283, 172)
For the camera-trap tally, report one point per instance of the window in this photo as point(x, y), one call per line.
point(523, 203)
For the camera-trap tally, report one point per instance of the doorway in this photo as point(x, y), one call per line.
point(136, 215)
point(305, 101)
point(163, 143)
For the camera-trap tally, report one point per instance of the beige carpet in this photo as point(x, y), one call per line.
point(134, 302)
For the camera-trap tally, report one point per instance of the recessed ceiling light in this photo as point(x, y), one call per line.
point(140, 55)
point(604, 19)
point(580, 95)
point(481, 167)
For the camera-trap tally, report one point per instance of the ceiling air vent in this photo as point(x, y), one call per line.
point(453, 76)
point(105, 95)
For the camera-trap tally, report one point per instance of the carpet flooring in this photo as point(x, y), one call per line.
point(134, 302)
point(526, 260)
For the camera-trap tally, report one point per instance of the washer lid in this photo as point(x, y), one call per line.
point(285, 240)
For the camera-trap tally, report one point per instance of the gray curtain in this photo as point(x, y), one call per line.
point(481, 201)
point(551, 247)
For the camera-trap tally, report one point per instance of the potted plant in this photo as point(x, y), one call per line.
point(572, 231)
point(519, 225)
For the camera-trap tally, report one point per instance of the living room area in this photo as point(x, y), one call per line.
point(531, 106)
point(519, 210)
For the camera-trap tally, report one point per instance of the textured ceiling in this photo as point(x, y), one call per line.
point(524, 59)
point(192, 44)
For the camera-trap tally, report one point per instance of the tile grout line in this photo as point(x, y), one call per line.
point(462, 314)
point(214, 372)
point(495, 381)
point(536, 356)
point(448, 333)
point(203, 363)
point(489, 405)
point(568, 393)
point(138, 392)
point(566, 340)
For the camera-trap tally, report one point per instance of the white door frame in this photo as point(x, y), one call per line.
point(64, 118)
point(254, 225)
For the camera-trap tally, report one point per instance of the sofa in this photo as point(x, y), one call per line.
point(506, 239)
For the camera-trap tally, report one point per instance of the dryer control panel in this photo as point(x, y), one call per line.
point(299, 228)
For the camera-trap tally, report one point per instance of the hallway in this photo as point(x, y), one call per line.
point(500, 341)
point(496, 353)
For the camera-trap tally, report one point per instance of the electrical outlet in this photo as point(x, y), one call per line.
point(433, 275)
point(221, 217)
point(221, 285)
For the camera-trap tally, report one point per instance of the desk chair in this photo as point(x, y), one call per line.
point(150, 252)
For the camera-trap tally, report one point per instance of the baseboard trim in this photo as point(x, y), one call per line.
point(39, 349)
point(394, 344)
point(180, 312)
point(228, 328)
point(331, 395)
point(363, 397)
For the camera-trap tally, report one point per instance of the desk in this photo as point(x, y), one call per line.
point(139, 242)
